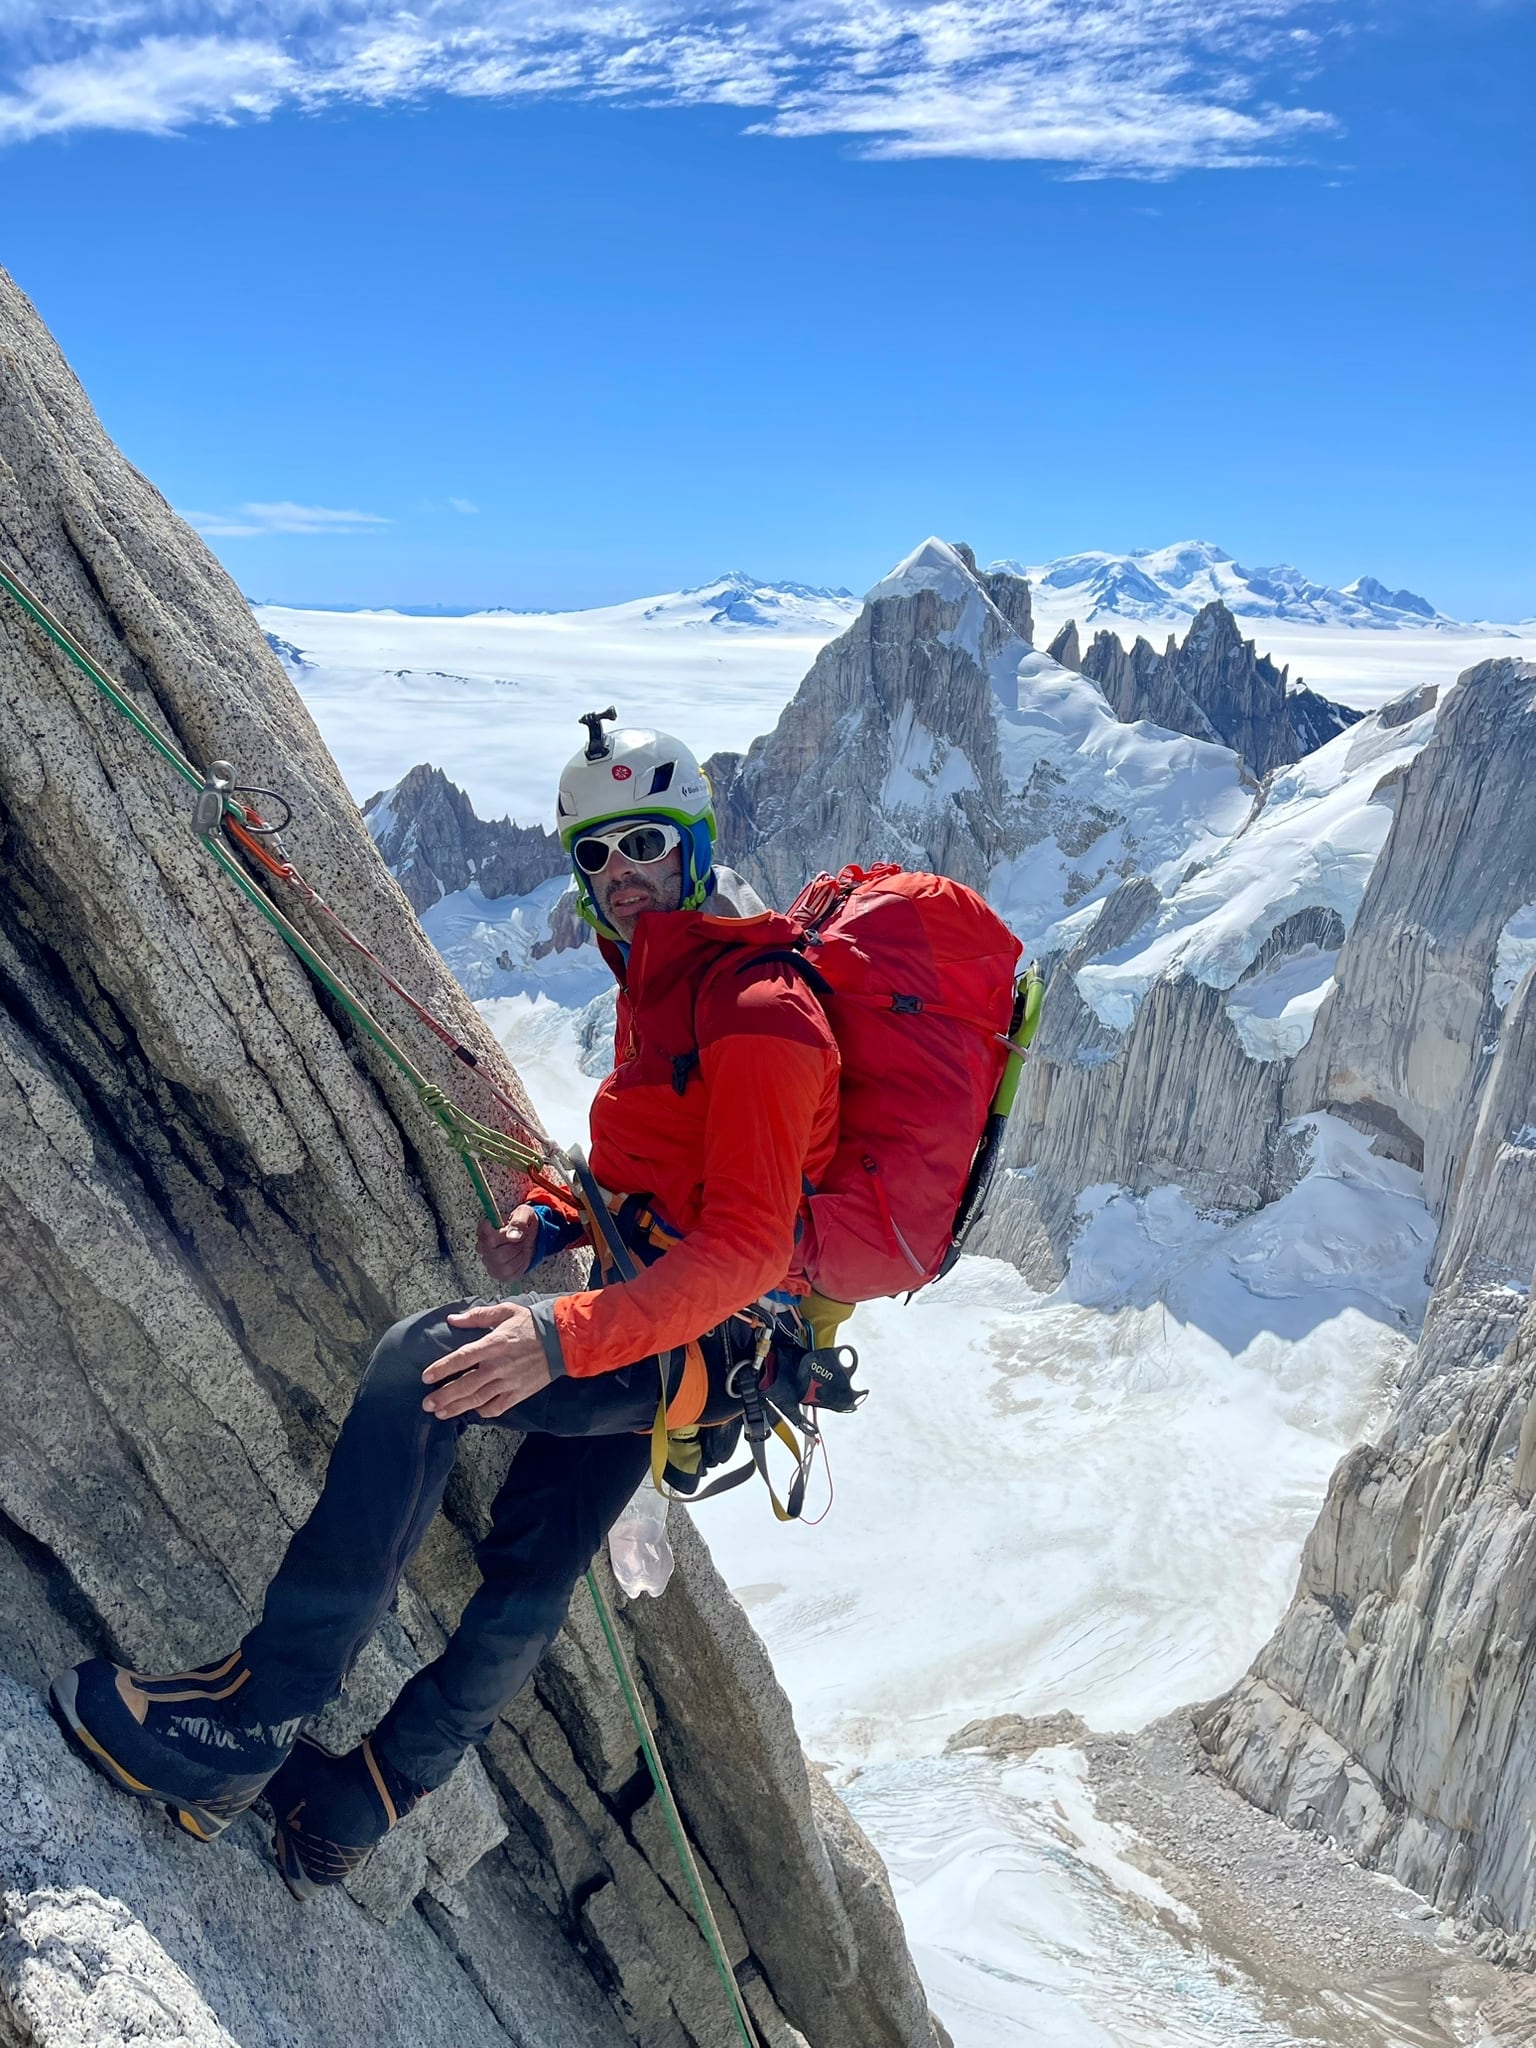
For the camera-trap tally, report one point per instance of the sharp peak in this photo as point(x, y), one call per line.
point(740, 579)
point(933, 564)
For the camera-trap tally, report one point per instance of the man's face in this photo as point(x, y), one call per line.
point(624, 890)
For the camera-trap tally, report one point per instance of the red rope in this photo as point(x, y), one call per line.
point(244, 831)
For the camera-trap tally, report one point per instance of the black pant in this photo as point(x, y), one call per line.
point(587, 1450)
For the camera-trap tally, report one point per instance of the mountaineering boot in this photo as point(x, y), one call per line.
point(331, 1810)
point(189, 1738)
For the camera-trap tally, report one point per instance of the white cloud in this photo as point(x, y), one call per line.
point(464, 505)
point(159, 84)
point(285, 517)
point(1137, 87)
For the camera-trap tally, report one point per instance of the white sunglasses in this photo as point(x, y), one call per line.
point(641, 844)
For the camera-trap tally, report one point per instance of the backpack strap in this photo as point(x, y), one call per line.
point(791, 956)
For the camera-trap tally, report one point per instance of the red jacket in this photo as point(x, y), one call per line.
point(722, 1105)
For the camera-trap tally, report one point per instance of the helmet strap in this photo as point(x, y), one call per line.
point(698, 865)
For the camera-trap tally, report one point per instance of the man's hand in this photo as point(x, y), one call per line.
point(493, 1374)
point(505, 1253)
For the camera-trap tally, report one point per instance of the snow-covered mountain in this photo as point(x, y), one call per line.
point(1178, 581)
point(930, 733)
point(739, 599)
point(492, 697)
point(933, 734)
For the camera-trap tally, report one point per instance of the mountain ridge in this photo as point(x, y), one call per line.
point(1179, 580)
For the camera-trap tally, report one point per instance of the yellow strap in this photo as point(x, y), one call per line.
point(785, 1435)
point(659, 1445)
point(684, 1451)
point(661, 1457)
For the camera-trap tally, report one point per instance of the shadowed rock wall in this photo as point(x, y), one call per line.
point(433, 844)
point(1394, 1708)
point(814, 792)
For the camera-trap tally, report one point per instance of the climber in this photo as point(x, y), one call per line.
point(721, 1109)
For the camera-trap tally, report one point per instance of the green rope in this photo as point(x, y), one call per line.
point(468, 1138)
point(709, 1927)
point(62, 638)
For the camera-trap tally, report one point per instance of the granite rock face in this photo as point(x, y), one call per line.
point(434, 845)
point(904, 685)
point(1067, 648)
point(1214, 685)
point(1408, 1038)
point(213, 1195)
point(1393, 1709)
point(1174, 1100)
point(1176, 1010)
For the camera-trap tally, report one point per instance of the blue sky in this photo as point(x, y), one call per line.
point(481, 306)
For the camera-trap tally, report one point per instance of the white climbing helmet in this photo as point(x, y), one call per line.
point(635, 773)
point(629, 773)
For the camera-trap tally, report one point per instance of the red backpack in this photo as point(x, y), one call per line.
point(916, 975)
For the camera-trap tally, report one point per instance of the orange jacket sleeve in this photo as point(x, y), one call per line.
point(764, 1095)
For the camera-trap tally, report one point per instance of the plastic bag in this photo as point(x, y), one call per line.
point(638, 1548)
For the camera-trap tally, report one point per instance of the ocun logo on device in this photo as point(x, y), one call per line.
point(621, 773)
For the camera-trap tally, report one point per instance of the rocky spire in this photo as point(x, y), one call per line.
point(1216, 685)
point(1394, 1710)
point(1066, 648)
point(434, 844)
point(889, 749)
point(1010, 594)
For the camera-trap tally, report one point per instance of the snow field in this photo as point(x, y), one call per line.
point(1035, 1925)
point(1092, 1500)
point(1179, 799)
point(493, 699)
point(488, 942)
point(541, 1038)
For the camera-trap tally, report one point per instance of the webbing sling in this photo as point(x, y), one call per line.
point(469, 1138)
point(608, 1243)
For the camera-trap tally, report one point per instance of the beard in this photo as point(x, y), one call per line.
point(661, 892)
